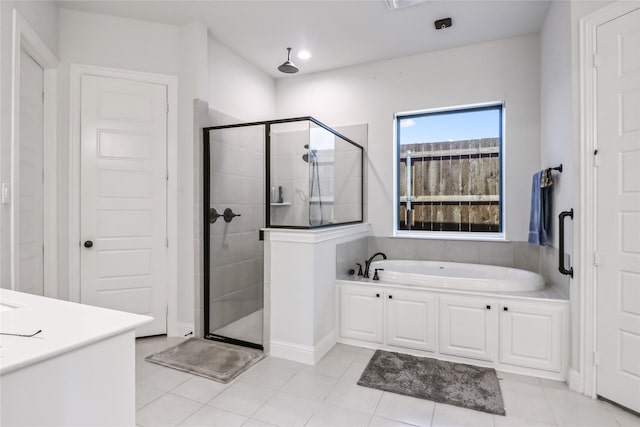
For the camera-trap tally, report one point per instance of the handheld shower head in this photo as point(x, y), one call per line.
point(311, 155)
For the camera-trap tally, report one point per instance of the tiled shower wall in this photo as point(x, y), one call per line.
point(290, 172)
point(237, 183)
point(340, 175)
point(236, 254)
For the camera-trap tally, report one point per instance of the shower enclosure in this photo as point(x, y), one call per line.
point(291, 173)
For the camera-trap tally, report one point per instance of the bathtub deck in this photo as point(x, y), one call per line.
point(548, 293)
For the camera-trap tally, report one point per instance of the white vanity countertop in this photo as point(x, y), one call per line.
point(65, 326)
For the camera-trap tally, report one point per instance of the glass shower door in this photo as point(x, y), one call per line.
point(234, 197)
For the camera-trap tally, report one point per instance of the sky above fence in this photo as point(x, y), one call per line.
point(450, 126)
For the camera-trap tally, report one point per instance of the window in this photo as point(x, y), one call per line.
point(449, 171)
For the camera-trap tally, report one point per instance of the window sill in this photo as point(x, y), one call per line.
point(426, 235)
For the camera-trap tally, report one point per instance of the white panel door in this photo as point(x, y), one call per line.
point(531, 335)
point(30, 185)
point(468, 327)
point(618, 234)
point(123, 197)
point(361, 313)
point(410, 319)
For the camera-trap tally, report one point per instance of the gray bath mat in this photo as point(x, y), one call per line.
point(456, 384)
point(210, 359)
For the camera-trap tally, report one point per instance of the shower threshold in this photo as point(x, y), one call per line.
point(246, 331)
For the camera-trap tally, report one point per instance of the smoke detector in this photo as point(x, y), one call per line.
point(441, 24)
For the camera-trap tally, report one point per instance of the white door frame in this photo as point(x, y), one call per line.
point(25, 38)
point(586, 218)
point(171, 82)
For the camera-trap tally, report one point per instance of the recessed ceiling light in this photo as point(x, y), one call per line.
point(304, 54)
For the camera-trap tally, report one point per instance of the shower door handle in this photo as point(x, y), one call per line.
point(229, 215)
point(213, 215)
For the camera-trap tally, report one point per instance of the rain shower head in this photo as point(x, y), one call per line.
point(288, 66)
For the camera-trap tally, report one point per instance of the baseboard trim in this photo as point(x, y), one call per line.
point(323, 346)
point(575, 381)
point(309, 355)
point(291, 351)
point(184, 329)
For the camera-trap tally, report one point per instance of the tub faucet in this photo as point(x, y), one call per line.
point(367, 263)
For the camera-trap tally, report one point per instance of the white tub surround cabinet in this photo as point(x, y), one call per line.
point(521, 334)
point(80, 370)
point(300, 271)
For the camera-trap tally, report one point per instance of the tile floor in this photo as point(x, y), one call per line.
point(277, 392)
point(247, 328)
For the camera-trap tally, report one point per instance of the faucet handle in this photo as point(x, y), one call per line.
point(375, 273)
point(360, 273)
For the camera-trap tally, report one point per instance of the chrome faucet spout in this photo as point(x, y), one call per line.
point(367, 263)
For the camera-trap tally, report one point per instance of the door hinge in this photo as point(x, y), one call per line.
point(596, 158)
point(596, 259)
point(596, 358)
point(167, 175)
point(43, 97)
point(167, 108)
point(596, 60)
point(166, 242)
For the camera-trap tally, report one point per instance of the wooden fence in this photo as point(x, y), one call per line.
point(455, 186)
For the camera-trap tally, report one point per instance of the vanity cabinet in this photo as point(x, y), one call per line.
point(468, 327)
point(523, 335)
point(361, 311)
point(531, 335)
point(410, 319)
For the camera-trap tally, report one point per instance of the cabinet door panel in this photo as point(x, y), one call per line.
point(530, 335)
point(411, 320)
point(467, 327)
point(361, 312)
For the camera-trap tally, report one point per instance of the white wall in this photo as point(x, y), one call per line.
point(371, 93)
point(193, 83)
point(237, 87)
point(556, 130)
point(560, 132)
point(129, 44)
point(234, 84)
point(42, 16)
point(556, 108)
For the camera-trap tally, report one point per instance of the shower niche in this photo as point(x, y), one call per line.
point(291, 173)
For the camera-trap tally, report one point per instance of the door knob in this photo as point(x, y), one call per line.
point(88, 244)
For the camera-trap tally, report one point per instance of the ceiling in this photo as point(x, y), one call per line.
point(337, 33)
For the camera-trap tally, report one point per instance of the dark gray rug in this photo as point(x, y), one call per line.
point(456, 384)
point(210, 359)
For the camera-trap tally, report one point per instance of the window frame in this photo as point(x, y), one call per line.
point(450, 235)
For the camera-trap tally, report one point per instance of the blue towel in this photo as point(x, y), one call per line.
point(539, 221)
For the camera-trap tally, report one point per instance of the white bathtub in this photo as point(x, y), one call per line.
point(459, 276)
